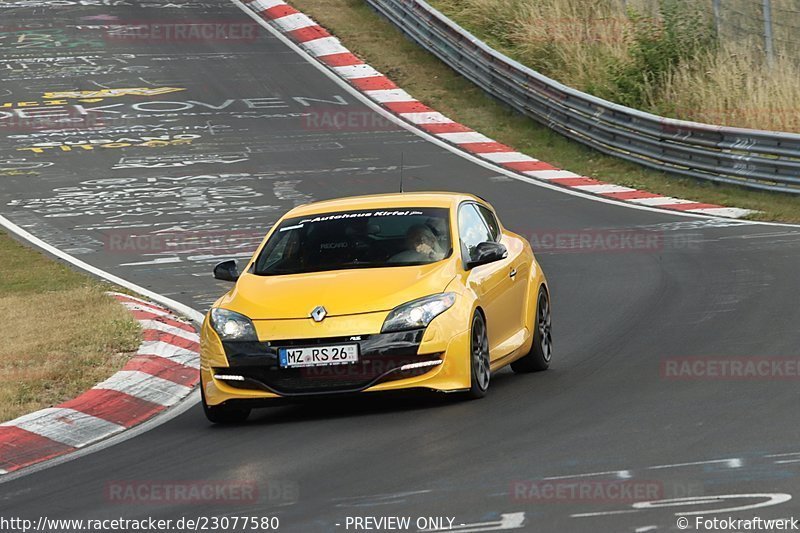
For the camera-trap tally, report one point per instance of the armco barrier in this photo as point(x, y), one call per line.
point(751, 158)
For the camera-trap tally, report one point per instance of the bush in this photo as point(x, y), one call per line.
point(658, 47)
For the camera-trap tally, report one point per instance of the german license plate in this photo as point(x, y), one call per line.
point(341, 354)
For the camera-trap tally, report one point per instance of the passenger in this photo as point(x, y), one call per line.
point(439, 227)
point(421, 247)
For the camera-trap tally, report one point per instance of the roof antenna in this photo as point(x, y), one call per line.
point(401, 171)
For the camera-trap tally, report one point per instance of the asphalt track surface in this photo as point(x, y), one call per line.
point(257, 109)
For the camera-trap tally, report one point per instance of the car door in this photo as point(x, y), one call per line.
point(515, 299)
point(491, 282)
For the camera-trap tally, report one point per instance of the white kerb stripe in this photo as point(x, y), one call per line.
point(604, 188)
point(66, 426)
point(660, 200)
point(352, 72)
point(146, 387)
point(507, 157)
point(324, 46)
point(390, 95)
point(263, 5)
point(176, 354)
point(426, 118)
point(131, 300)
point(129, 297)
point(550, 174)
point(294, 21)
point(138, 307)
point(732, 212)
point(170, 330)
point(463, 137)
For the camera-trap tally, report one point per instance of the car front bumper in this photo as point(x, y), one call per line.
point(427, 359)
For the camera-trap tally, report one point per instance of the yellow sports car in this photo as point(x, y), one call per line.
point(375, 293)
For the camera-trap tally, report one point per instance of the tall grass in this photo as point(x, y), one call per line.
point(569, 40)
point(660, 56)
point(735, 87)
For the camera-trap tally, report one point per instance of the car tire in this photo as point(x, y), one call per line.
point(541, 353)
point(223, 414)
point(480, 371)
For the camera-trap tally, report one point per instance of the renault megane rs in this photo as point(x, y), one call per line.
point(375, 293)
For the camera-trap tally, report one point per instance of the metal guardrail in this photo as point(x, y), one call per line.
point(752, 158)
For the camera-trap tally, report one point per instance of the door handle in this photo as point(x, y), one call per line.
point(512, 273)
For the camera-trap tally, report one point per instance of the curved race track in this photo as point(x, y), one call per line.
point(251, 143)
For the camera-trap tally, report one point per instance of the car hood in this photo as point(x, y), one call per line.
point(341, 292)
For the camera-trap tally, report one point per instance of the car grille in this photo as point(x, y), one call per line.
point(381, 357)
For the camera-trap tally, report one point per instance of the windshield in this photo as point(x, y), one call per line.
point(357, 239)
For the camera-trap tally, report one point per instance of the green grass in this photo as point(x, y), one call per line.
point(381, 45)
point(61, 333)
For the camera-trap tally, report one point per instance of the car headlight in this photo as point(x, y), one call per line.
point(418, 313)
point(231, 326)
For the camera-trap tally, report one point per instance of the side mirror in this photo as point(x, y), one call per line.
point(226, 271)
point(487, 252)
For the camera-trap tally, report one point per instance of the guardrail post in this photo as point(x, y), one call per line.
point(715, 4)
point(768, 39)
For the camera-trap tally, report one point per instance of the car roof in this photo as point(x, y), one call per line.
point(384, 201)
